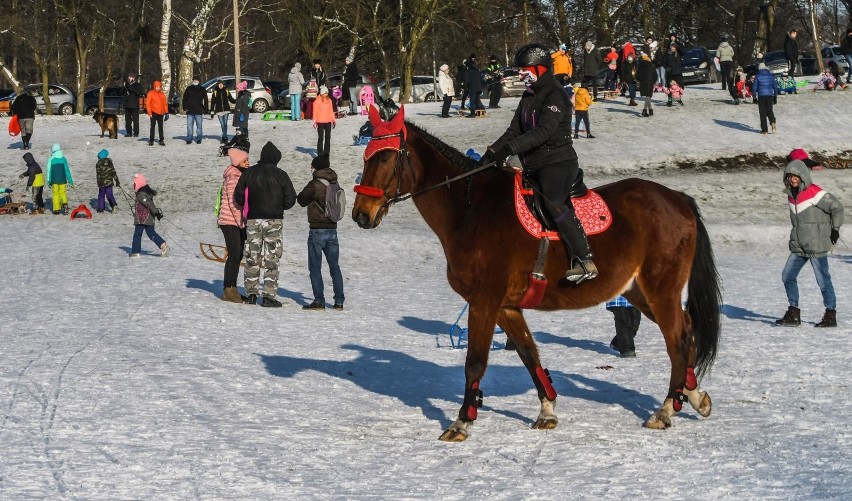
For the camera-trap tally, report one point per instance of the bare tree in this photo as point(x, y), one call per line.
point(197, 47)
point(165, 64)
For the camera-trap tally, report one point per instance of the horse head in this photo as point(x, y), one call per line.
point(387, 166)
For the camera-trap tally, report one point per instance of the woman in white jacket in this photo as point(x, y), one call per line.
point(445, 86)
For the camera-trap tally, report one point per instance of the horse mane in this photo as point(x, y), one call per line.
point(454, 155)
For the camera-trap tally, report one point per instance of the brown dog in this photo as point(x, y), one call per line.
point(108, 123)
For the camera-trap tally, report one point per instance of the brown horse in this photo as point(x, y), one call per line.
point(657, 244)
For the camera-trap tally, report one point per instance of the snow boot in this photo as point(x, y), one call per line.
point(645, 112)
point(632, 103)
point(773, 127)
point(231, 295)
point(270, 302)
point(651, 112)
point(316, 305)
point(829, 319)
point(250, 299)
point(576, 136)
point(164, 250)
point(790, 319)
point(590, 136)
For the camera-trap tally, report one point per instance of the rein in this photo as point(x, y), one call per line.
point(403, 154)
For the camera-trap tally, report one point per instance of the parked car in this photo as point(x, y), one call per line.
point(275, 87)
point(423, 89)
point(6, 103)
point(776, 61)
point(832, 56)
point(62, 98)
point(808, 64)
point(513, 86)
point(696, 65)
point(113, 97)
point(261, 96)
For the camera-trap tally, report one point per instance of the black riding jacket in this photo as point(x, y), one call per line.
point(540, 132)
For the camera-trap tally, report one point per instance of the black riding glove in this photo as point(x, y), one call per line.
point(835, 235)
point(499, 157)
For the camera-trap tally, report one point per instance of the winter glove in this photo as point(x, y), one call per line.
point(158, 214)
point(501, 155)
point(835, 235)
point(166, 117)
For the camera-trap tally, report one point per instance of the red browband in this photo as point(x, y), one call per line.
point(369, 191)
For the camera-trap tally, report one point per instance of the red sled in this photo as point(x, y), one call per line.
point(82, 210)
point(14, 126)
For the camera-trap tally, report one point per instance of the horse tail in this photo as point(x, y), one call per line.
point(704, 296)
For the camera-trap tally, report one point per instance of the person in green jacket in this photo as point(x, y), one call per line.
point(816, 216)
point(59, 178)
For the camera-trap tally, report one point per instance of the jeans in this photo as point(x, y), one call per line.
point(136, 248)
point(661, 76)
point(193, 120)
point(223, 122)
point(849, 69)
point(295, 100)
point(820, 265)
point(324, 241)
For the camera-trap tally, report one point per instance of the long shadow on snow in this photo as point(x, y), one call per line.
point(418, 383)
point(734, 125)
point(737, 313)
point(568, 342)
point(215, 287)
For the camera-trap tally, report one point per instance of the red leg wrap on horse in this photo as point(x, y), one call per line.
point(534, 293)
point(691, 380)
point(677, 400)
point(472, 402)
point(545, 383)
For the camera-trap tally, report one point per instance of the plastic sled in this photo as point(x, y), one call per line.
point(276, 115)
point(81, 210)
point(14, 126)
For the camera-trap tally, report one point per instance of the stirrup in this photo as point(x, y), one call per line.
point(581, 271)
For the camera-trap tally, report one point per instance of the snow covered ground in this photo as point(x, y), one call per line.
point(130, 379)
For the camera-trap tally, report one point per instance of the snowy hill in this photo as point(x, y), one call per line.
point(130, 379)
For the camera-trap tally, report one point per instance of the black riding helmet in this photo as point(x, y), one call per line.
point(533, 54)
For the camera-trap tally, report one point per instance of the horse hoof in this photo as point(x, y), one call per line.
point(657, 423)
point(547, 423)
point(453, 435)
point(706, 405)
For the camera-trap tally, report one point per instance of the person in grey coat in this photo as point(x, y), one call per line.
point(816, 216)
point(297, 84)
point(242, 109)
point(725, 53)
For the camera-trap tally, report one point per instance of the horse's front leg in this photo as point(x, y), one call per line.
point(511, 320)
point(480, 325)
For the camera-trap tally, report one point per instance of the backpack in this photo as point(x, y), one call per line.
point(335, 201)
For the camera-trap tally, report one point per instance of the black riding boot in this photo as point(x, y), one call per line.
point(572, 235)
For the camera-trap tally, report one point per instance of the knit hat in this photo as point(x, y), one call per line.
point(237, 156)
point(445, 67)
point(323, 89)
point(242, 86)
point(320, 162)
point(139, 181)
point(103, 154)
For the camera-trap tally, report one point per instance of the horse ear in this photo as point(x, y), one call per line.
point(399, 118)
point(375, 119)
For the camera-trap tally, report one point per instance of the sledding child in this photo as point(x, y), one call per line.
point(59, 178)
point(143, 217)
point(786, 84)
point(743, 88)
point(675, 93)
point(35, 181)
point(582, 101)
point(106, 178)
point(324, 121)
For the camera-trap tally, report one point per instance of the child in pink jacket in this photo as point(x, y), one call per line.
point(675, 92)
point(232, 223)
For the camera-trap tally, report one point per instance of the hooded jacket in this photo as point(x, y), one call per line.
point(242, 109)
point(155, 101)
point(34, 174)
point(266, 189)
point(540, 132)
point(296, 79)
point(814, 212)
point(591, 62)
point(314, 191)
point(725, 52)
point(229, 213)
point(58, 171)
point(145, 207)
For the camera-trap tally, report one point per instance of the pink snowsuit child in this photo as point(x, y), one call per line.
point(675, 91)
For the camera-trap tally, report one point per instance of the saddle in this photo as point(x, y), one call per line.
point(590, 208)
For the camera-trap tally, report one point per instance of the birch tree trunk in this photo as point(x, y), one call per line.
point(195, 44)
point(165, 65)
point(10, 77)
point(816, 37)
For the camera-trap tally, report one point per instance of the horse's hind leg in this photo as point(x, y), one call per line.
point(511, 320)
point(674, 324)
point(699, 400)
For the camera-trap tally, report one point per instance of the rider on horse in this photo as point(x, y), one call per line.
point(540, 134)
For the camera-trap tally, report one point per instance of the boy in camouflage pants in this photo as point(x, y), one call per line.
point(263, 193)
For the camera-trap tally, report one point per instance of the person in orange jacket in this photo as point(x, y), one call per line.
point(324, 120)
point(158, 110)
point(562, 69)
